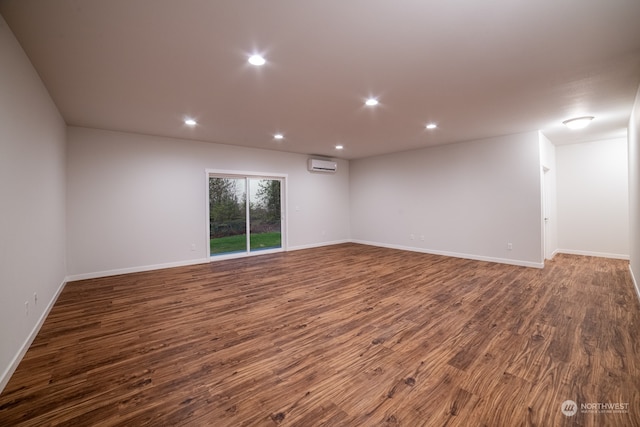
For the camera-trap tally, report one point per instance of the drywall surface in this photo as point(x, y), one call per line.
point(634, 190)
point(32, 189)
point(138, 201)
point(593, 198)
point(469, 199)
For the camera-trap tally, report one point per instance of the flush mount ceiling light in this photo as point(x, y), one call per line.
point(190, 122)
point(578, 122)
point(339, 147)
point(371, 102)
point(257, 60)
point(278, 136)
point(431, 126)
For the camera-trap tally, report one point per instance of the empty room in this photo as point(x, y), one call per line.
point(319, 213)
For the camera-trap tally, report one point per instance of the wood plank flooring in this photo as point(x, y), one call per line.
point(345, 335)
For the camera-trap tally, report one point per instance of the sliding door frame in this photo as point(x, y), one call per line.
point(218, 173)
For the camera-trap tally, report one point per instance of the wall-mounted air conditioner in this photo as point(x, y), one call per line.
point(319, 165)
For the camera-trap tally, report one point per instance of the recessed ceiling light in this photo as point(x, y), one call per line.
point(278, 136)
point(432, 126)
point(339, 147)
point(578, 122)
point(190, 122)
point(257, 60)
point(371, 102)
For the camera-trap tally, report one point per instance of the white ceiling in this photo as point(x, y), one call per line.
point(476, 68)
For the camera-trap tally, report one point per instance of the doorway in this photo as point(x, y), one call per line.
point(245, 214)
point(548, 211)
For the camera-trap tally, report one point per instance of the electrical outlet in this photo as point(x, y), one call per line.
point(422, 237)
point(509, 246)
point(412, 237)
point(193, 247)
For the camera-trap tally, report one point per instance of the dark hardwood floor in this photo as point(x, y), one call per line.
point(345, 335)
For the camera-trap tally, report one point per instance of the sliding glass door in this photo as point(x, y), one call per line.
point(245, 214)
point(265, 213)
point(227, 215)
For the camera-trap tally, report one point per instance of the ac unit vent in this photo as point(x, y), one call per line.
point(319, 165)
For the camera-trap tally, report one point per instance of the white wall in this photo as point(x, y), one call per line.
point(467, 199)
point(137, 201)
point(593, 198)
point(549, 189)
point(634, 191)
point(32, 194)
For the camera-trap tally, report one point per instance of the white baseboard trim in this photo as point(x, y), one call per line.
point(107, 273)
point(140, 269)
point(519, 263)
point(318, 245)
point(6, 375)
point(594, 254)
point(635, 282)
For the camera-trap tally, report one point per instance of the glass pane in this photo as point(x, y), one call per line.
point(227, 215)
point(265, 214)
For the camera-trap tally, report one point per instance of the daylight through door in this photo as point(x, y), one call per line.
point(245, 214)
